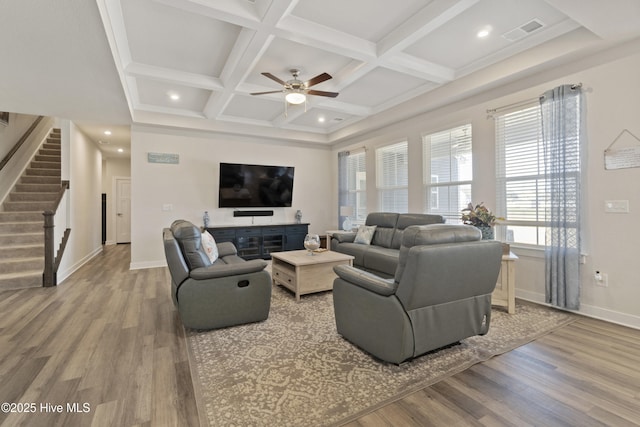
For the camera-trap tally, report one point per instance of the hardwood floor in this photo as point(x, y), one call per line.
point(110, 338)
point(107, 337)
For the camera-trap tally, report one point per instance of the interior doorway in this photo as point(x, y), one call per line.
point(123, 210)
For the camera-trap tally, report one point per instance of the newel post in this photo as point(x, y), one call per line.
point(49, 274)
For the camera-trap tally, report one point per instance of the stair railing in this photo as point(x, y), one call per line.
point(19, 143)
point(52, 234)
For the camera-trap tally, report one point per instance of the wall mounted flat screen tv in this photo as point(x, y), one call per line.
point(255, 186)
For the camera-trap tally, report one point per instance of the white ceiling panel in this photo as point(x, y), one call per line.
point(250, 108)
point(171, 38)
point(367, 19)
point(378, 87)
point(456, 44)
point(158, 94)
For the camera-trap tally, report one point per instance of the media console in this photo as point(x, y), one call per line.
point(258, 241)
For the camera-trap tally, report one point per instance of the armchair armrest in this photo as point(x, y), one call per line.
point(346, 237)
point(366, 280)
point(226, 248)
point(215, 271)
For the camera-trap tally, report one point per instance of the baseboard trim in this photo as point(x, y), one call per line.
point(592, 311)
point(147, 264)
point(62, 276)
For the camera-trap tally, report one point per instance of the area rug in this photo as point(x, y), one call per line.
point(295, 370)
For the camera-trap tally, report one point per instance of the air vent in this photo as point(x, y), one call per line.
point(523, 30)
point(337, 119)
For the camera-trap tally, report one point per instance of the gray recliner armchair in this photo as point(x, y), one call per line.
point(230, 291)
point(441, 294)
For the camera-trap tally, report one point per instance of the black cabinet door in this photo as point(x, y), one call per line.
point(294, 238)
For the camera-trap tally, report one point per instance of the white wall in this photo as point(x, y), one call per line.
point(11, 133)
point(82, 166)
point(191, 187)
point(613, 103)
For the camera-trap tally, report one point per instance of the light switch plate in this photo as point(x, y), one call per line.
point(616, 206)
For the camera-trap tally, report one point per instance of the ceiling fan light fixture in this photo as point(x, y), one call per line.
point(295, 97)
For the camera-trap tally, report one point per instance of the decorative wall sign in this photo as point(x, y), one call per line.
point(621, 158)
point(167, 158)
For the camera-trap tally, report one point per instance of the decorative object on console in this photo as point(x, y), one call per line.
point(298, 216)
point(481, 218)
point(346, 211)
point(205, 219)
point(311, 242)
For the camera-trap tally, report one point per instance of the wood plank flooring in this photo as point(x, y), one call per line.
point(110, 338)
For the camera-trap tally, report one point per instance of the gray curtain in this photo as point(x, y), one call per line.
point(563, 132)
point(343, 184)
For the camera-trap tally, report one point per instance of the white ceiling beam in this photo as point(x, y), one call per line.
point(319, 36)
point(183, 78)
point(431, 17)
point(420, 68)
point(240, 13)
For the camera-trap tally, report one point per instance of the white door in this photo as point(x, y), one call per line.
point(123, 210)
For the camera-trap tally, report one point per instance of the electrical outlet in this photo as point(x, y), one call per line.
point(601, 279)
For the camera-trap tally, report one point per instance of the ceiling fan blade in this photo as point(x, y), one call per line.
point(322, 93)
point(274, 78)
point(264, 93)
point(318, 79)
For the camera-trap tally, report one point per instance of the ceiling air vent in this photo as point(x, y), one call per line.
point(523, 30)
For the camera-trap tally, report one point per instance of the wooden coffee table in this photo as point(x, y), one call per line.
point(303, 273)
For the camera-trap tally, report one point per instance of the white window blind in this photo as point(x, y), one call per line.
point(392, 177)
point(448, 172)
point(520, 175)
point(357, 186)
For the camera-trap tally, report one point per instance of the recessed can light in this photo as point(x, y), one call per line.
point(107, 132)
point(120, 150)
point(484, 32)
point(174, 96)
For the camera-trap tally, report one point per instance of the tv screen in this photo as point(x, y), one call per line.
point(255, 186)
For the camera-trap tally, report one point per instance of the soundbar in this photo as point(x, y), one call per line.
point(253, 213)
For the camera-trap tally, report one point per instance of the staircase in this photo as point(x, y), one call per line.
point(22, 222)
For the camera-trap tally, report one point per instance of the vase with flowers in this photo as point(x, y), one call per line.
point(481, 218)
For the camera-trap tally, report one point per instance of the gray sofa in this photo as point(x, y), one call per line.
point(441, 294)
point(230, 291)
point(381, 256)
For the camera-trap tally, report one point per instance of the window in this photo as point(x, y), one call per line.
point(392, 173)
point(522, 191)
point(354, 191)
point(448, 172)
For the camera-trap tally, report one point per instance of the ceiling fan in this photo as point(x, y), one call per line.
point(297, 90)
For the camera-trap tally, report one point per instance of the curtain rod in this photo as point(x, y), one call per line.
point(492, 111)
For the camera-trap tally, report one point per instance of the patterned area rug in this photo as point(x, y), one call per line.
point(295, 370)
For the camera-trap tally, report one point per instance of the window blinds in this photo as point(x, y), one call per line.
point(448, 171)
point(521, 188)
point(392, 177)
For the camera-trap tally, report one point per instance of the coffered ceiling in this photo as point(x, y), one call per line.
point(209, 55)
point(389, 59)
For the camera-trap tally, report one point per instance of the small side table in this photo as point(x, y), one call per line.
point(329, 234)
point(505, 293)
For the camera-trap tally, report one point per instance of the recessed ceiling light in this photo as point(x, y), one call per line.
point(120, 150)
point(107, 132)
point(321, 119)
point(174, 96)
point(484, 32)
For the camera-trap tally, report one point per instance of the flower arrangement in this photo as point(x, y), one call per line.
point(478, 216)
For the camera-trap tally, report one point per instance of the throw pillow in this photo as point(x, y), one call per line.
point(209, 246)
point(365, 234)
